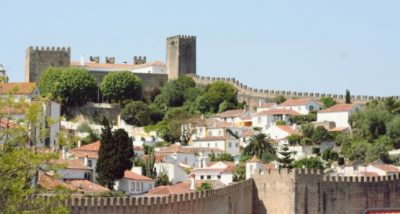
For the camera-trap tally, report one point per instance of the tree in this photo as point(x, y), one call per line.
point(174, 92)
point(115, 155)
point(279, 99)
point(392, 105)
point(307, 130)
point(393, 130)
point(162, 178)
point(217, 93)
point(309, 163)
point(137, 113)
point(286, 159)
point(320, 134)
point(328, 102)
point(369, 123)
point(149, 169)
point(92, 135)
point(221, 157)
point(21, 162)
point(120, 86)
point(239, 173)
point(68, 85)
point(204, 186)
point(303, 119)
point(261, 146)
point(348, 97)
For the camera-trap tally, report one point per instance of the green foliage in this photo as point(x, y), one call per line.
point(280, 123)
point(149, 169)
point(341, 161)
point(342, 139)
point(294, 139)
point(170, 129)
point(309, 163)
point(303, 119)
point(217, 93)
point(379, 150)
point(348, 97)
point(393, 130)
point(370, 123)
point(320, 134)
point(120, 86)
point(137, 113)
point(162, 178)
point(307, 130)
point(115, 154)
point(334, 156)
point(240, 173)
point(279, 99)
point(68, 85)
point(204, 186)
point(392, 105)
point(328, 102)
point(92, 136)
point(326, 154)
point(260, 145)
point(173, 93)
point(221, 157)
point(286, 159)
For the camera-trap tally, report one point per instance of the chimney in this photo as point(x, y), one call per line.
point(64, 153)
point(192, 183)
point(82, 59)
point(85, 162)
point(79, 143)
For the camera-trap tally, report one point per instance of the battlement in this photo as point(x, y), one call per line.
point(48, 48)
point(245, 90)
point(182, 37)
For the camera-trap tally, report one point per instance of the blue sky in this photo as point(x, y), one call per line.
point(307, 45)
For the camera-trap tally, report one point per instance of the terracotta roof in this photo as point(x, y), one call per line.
point(231, 113)
point(91, 150)
point(174, 148)
point(278, 112)
point(369, 174)
point(72, 164)
point(19, 87)
point(19, 108)
point(167, 190)
point(266, 105)
point(248, 133)
point(229, 169)
point(296, 102)
point(269, 166)
point(338, 108)
point(338, 129)
point(254, 159)
point(133, 176)
point(287, 129)
point(387, 168)
point(186, 185)
point(89, 147)
point(382, 211)
point(212, 123)
point(87, 186)
point(50, 183)
point(6, 123)
point(212, 138)
point(94, 66)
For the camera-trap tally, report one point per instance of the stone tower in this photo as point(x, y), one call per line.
point(181, 56)
point(39, 59)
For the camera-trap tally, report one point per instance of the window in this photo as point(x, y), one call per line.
point(185, 161)
point(150, 186)
point(219, 133)
point(200, 130)
point(219, 176)
point(208, 177)
point(215, 145)
point(201, 177)
point(230, 144)
point(311, 108)
point(208, 145)
point(237, 145)
point(89, 163)
point(258, 120)
point(137, 186)
point(132, 186)
point(210, 133)
point(141, 186)
point(299, 108)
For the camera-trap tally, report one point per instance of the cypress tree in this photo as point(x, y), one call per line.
point(115, 155)
point(348, 97)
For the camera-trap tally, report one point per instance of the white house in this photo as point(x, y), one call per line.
point(227, 144)
point(174, 171)
point(74, 169)
point(265, 106)
point(301, 105)
point(156, 67)
point(280, 134)
point(88, 155)
point(268, 118)
point(220, 171)
point(383, 169)
point(239, 117)
point(134, 184)
point(339, 113)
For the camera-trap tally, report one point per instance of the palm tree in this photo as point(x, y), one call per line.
point(260, 145)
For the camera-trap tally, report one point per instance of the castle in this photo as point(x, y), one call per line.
point(180, 60)
point(303, 191)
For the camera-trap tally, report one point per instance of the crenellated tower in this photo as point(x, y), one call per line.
point(181, 56)
point(39, 59)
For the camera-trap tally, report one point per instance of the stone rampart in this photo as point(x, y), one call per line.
point(310, 191)
point(253, 95)
point(236, 198)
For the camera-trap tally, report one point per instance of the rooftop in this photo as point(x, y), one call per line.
point(168, 190)
point(278, 112)
point(231, 113)
point(338, 108)
point(133, 176)
point(296, 102)
point(18, 88)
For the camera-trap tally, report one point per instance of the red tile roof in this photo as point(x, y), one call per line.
point(174, 148)
point(133, 176)
point(50, 183)
point(211, 138)
point(383, 211)
point(72, 164)
point(266, 105)
point(287, 129)
point(19, 87)
point(369, 174)
point(6, 123)
point(231, 113)
point(296, 102)
point(212, 123)
point(387, 168)
point(167, 190)
point(90, 150)
point(338, 108)
point(278, 112)
point(87, 186)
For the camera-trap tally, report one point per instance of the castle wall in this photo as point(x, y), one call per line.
point(236, 199)
point(253, 95)
point(39, 59)
point(309, 192)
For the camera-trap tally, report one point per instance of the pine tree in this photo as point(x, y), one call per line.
point(286, 159)
point(115, 155)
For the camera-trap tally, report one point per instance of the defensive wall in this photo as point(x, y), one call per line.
point(234, 199)
point(308, 191)
point(253, 95)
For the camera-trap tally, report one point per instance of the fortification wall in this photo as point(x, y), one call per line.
point(236, 198)
point(253, 95)
point(312, 192)
point(38, 59)
point(150, 81)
